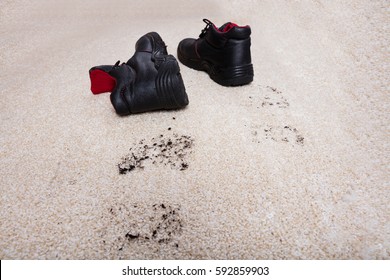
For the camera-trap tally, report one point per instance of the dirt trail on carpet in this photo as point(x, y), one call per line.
point(294, 165)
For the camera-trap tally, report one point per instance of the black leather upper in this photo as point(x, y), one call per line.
point(225, 49)
point(219, 39)
point(137, 87)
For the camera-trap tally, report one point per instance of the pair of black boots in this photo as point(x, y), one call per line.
point(151, 79)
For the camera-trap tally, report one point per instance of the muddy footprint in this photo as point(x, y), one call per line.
point(266, 96)
point(281, 134)
point(170, 149)
point(160, 223)
point(274, 97)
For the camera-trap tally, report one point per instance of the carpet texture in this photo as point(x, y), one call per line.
point(294, 165)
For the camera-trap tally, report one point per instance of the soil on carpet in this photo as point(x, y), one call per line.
point(170, 149)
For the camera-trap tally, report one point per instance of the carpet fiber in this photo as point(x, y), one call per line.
point(294, 165)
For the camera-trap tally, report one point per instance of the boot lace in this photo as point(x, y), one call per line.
point(204, 30)
point(116, 64)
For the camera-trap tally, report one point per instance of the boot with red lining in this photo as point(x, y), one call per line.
point(224, 53)
point(149, 80)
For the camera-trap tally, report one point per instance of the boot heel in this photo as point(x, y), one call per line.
point(232, 76)
point(101, 81)
point(169, 84)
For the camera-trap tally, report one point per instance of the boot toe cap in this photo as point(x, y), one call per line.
point(187, 48)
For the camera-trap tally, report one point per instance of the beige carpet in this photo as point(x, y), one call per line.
point(293, 166)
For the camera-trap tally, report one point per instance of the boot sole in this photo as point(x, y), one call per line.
point(169, 84)
point(229, 76)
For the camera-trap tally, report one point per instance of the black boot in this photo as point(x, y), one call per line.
point(224, 53)
point(150, 80)
point(158, 83)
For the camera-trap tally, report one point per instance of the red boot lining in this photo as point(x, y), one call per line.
point(229, 26)
point(101, 81)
